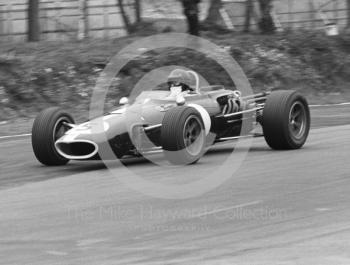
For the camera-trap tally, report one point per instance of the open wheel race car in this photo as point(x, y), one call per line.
point(182, 123)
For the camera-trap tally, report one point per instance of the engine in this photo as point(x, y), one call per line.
point(230, 104)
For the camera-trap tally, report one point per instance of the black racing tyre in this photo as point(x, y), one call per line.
point(48, 127)
point(286, 120)
point(183, 136)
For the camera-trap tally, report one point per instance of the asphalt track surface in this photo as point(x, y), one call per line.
point(290, 207)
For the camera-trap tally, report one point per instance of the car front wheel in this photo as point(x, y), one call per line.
point(48, 127)
point(183, 136)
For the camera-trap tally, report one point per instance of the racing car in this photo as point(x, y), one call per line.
point(182, 122)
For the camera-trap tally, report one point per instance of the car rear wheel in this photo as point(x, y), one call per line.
point(183, 136)
point(48, 127)
point(286, 120)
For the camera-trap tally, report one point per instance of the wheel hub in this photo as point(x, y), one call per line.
point(297, 120)
point(193, 138)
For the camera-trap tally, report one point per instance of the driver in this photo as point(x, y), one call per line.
point(179, 82)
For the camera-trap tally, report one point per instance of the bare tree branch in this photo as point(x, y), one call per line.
point(248, 14)
point(33, 20)
point(214, 17)
point(138, 9)
point(348, 6)
point(266, 23)
point(124, 16)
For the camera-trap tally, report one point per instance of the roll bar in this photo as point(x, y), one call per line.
point(197, 79)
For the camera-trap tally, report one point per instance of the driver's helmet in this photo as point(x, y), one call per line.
point(179, 77)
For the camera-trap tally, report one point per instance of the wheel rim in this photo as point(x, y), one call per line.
point(193, 135)
point(60, 128)
point(297, 120)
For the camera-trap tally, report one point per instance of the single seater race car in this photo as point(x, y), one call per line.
point(182, 123)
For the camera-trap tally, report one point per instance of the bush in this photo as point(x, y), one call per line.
point(65, 73)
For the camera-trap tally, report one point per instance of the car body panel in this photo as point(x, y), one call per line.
point(122, 126)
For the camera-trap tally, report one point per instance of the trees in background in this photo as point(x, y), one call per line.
point(33, 21)
point(266, 23)
point(217, 18)
point(265, 20)
point(348, 5)
point(214, 20)
point(138, 10)
point(191, 11)
point(248, 14)
point(130, 27)
point(214, 16)
point(83, 25)
point(124, 16)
